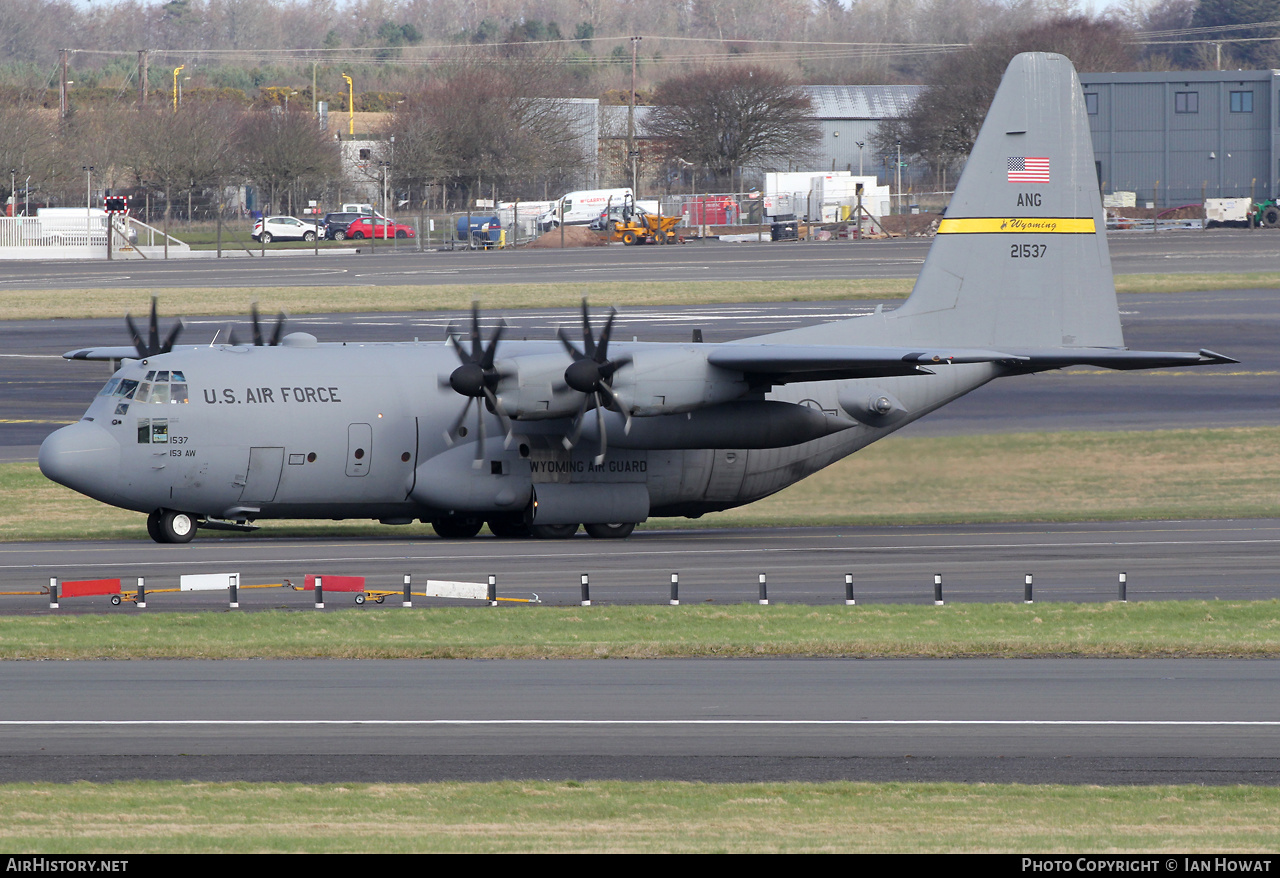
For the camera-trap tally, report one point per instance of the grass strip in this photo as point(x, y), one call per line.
point(20, 304)
point(1181, 474)
point(616, 817)
point(1204, 629)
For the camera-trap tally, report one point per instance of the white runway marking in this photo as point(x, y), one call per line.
point(645, 722)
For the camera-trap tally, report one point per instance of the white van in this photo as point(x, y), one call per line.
point(580, 208)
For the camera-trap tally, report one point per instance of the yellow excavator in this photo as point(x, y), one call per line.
point(632, 224)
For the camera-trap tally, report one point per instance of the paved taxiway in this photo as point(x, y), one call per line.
point(1039, 721)
point(1211, 251)
point(1209, 560)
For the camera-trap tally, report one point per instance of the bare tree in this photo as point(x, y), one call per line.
point(944, 120)
point(488, 123)
point(278, 150)
point(26, 148)
point(727, 118)
point(182, 152)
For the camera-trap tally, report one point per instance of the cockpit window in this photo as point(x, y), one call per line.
point(159, 386)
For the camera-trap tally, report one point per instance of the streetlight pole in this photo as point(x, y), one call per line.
point(860, 144)
point(88, 190)
point(632, 155)
point(176, 71)
point(899, 169)
point(351, 106)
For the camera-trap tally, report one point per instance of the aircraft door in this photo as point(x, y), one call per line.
point(359, 449)
point(263, 478)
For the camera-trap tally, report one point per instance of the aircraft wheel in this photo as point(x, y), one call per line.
point(153, 526)
point(552, 531)
point(340, 235)
point(359, 599)
point(176, 527)
point(610, 531)
point(506, 528)
point(1271, 217)
point(457, 527)
point(308, 236)
point(265, 238)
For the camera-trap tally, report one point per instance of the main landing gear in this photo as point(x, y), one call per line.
point(462, 527)
point(171, 526)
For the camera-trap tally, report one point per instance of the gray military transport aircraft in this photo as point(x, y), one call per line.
point(607, 434)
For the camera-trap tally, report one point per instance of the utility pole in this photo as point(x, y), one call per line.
point(63, 103)
point(142, 78)
point(632, 153)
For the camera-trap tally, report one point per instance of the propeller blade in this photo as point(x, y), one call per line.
point(137, 336)
point(604, 436)
point(617, 403)
point(569, 441)
point(257, 327)
point(154, 335)
point(172, 337)
point(498, 410)
point(279, 330)
point(475, 464)
point(451, 435)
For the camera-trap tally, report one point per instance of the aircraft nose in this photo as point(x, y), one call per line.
point(82, 456)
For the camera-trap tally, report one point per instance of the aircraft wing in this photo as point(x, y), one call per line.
point(787, 363)
point(1114, 358)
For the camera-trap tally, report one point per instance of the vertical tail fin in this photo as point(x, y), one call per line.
point(1021, 259)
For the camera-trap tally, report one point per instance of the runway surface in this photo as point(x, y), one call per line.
point(1078, 721)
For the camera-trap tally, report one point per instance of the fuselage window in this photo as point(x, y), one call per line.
point(110, 388)
point(144, 431)
point(177, 392)
point(159, 431)
point(144, 392)
point(127, 388)
point(160, 393)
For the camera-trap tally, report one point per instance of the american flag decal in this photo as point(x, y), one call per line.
point(1028, 169)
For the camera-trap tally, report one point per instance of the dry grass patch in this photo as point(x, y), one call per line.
point(19, 304)
point(612, 816)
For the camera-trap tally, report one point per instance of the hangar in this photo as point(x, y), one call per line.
point(1179, 137)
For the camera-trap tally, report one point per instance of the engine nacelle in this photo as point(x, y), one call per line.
point(533, 388)
point(668, 381)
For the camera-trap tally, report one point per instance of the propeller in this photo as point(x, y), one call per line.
point(476, 378)
point(258, 338)
point(589, 374)
point(153, 345)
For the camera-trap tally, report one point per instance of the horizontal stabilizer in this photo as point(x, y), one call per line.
point(120, 352)
point(1039, 361)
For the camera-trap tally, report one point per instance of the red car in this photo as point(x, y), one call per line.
point(377, 227)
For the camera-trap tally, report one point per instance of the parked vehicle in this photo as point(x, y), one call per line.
point(378, 227)
point(283, 228)
point(580, 208)
point(334, 225)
